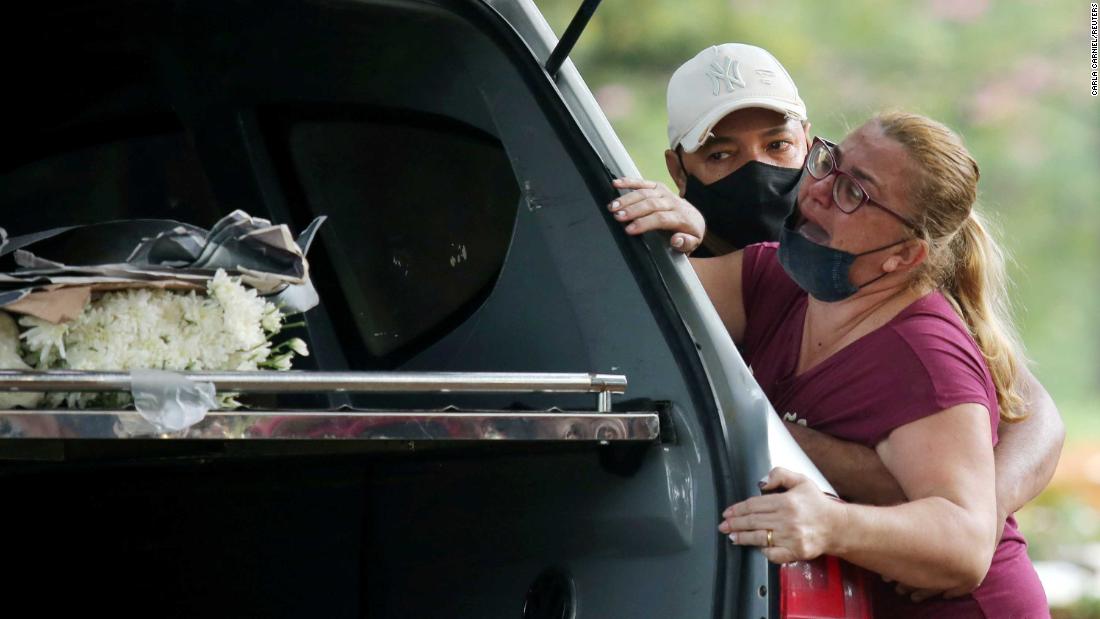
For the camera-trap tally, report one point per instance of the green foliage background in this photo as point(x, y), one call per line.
point(1012, 77)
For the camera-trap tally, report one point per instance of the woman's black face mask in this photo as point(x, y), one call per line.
point(747, 205)
point(822, 271)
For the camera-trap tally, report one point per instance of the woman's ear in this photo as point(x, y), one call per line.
point(909, 256)
point(672, 162)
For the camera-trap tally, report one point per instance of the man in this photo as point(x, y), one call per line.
point(738, 136)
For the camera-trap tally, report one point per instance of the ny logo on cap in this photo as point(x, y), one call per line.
point(729, 74)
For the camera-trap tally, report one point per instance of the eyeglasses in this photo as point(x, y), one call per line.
point(848, 194)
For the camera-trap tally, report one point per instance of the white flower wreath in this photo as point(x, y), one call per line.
point(230, 328)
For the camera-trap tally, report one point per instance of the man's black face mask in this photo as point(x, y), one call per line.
point(747, 205)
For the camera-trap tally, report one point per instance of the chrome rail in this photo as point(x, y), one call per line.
point(601, 425)
point(433, 425)
point(297, 381)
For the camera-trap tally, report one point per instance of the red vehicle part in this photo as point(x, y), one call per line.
point(825, 588)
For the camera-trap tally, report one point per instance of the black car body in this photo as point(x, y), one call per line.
point(464, 187)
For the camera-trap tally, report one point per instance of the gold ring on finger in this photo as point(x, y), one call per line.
point(769, 541)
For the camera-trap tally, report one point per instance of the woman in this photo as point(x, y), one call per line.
point(880, 318)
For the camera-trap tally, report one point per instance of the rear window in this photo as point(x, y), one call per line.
point(421, 211)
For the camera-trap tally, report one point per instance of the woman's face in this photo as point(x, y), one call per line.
point(883, 169)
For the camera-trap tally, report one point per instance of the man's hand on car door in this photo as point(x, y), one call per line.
point(653, 206)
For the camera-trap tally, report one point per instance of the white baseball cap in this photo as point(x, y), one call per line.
point(720, 80)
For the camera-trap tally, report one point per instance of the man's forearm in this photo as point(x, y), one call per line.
point(1027, 452)
point(856, 472)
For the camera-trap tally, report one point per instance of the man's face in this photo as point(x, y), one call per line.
point(751, 134)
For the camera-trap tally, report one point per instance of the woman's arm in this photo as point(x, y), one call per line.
point(1025, 457)
point(943, 538)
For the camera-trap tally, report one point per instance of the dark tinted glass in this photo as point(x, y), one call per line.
point(420, 217)
point(154, 176)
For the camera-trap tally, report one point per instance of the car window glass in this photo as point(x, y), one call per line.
point(153, 176)
point(420, 217)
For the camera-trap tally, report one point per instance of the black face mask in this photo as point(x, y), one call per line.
point(747, 205)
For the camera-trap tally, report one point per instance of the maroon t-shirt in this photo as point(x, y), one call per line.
point(920, 363)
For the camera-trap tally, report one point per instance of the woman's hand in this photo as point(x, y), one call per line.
point(803, 520)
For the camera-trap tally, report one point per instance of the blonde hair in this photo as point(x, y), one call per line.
point(964, 261)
